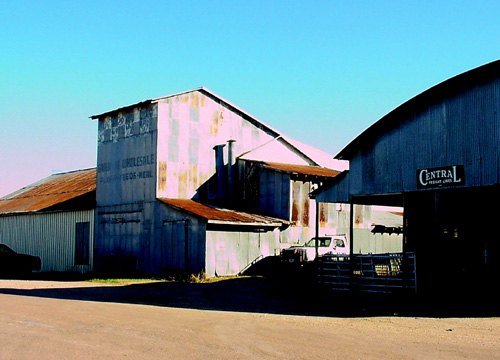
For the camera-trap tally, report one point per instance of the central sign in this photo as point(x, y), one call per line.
point(440, 176)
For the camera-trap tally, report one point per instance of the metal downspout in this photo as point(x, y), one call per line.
point(317, 228)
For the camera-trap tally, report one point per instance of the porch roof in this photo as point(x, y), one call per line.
point(216, 215)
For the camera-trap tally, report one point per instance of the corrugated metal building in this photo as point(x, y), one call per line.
point(284, 190)
point(53, 219)
point(168, 168)
point(228, 240)
point(438, 156)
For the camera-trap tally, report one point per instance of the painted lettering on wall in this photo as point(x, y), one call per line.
point(138, 161)
point(125, 169)
point(440, 176)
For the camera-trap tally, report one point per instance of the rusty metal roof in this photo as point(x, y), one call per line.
point(50, 192)
point(307, 170)
point(222, 216)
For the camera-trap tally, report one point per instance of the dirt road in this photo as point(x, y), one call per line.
point(82, 320)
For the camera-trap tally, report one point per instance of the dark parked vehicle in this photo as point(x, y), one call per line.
point(13, 263)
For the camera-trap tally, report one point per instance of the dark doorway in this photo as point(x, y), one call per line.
point(174, 246)
point(454, 236)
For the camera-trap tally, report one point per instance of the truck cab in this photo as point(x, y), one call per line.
point(328, 244)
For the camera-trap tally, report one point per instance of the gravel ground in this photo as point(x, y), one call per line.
point(239, 318)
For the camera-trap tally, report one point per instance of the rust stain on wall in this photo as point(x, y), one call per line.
point(295, 204)
point(358, 218)
point(162, 176)
point(323, 214)
point(216, 122)
point(183, 182)
point(195, 100)
point(295, 213)
point(184, 98)
point(193, 176)
point(305, 210)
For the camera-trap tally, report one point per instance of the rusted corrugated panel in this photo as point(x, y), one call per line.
point(300, 203)
point(215, 215)
point(302, 169)
point(49, 192)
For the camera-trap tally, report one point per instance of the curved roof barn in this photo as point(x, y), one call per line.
point(446, 89)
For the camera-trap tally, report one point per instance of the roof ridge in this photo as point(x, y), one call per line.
point(72, 171)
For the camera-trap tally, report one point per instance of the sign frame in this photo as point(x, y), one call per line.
point(442, 176)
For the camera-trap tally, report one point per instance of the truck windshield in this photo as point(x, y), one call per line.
point(322, 242)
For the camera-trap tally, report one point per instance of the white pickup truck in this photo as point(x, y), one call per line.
point(328, 244)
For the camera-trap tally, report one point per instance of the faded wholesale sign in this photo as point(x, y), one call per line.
point(440, 176)
point(132, 168)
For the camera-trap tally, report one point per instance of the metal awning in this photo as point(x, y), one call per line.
point(220, 216)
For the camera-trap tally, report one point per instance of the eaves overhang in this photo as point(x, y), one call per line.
point(304, 170)
point(246, 223)
point(335, 190)
point(121, 109)
point(220, 216)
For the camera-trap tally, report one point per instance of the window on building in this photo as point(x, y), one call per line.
point(82, 243)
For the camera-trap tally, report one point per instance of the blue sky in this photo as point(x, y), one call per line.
point(319, 71)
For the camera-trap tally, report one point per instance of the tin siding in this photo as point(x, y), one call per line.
point(121, 232)
point(229, 252)
point(126, 183)
point(462, 130)
point(280, 196)
point(189, 126)
point(51, 236)
point(274, 193)
point(126, 157)
point(334, 219)
point(339, 191)
point(167, 248)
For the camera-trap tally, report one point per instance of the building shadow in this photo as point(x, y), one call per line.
point(257, 294)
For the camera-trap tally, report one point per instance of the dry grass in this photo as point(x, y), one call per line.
point(199, 278)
